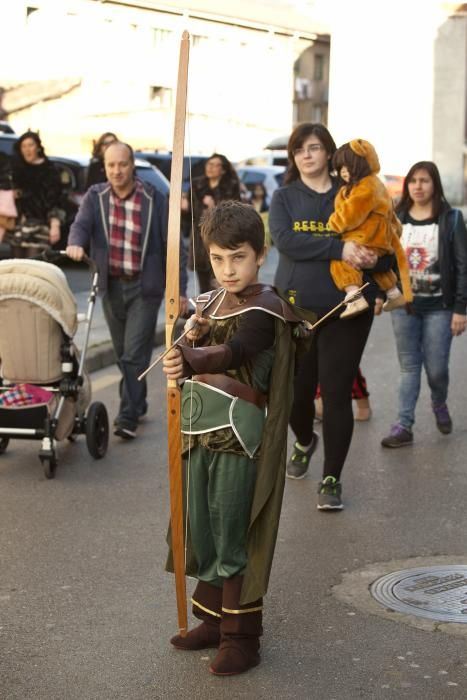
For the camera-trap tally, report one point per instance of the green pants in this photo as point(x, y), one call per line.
point(220, 494)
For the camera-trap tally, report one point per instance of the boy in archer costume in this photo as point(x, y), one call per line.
point(241, 361)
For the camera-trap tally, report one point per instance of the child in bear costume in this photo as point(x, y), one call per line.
point(364, 213)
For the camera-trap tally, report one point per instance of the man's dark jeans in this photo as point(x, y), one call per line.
point(132, 323)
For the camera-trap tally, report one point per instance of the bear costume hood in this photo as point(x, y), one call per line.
point(366, 150)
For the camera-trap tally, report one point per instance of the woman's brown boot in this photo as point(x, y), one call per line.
point(241, 628)
point(207, 605)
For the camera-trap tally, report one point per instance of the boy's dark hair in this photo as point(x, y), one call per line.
point(230, 223)
point(357, 166)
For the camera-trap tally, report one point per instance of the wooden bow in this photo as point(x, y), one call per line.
point(172, 312)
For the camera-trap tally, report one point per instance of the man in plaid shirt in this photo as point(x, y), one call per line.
point(123, 223)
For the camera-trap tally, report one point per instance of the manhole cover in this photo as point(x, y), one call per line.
point(435, 592)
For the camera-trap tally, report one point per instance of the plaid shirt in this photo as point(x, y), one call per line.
point(125, 233)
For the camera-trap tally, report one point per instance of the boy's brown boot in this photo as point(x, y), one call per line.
point(207, 604)
point(241, 627)
point(363, 412)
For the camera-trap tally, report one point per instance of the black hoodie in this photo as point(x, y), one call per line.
point(298, 220)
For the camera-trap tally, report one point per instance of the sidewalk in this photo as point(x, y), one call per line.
point(100, 352)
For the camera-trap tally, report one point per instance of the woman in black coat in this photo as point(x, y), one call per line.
point(38, 186)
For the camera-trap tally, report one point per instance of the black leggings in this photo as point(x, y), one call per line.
point(332, 362)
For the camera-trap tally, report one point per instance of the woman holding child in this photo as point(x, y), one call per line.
point(299, 226)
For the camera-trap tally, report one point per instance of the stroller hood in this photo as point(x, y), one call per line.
point(43, 284)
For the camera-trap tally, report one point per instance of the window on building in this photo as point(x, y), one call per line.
point(160, 96)
point(199, 40)
point(317, 113)
point(303, 89)
point(161, 36)
point(319, 66)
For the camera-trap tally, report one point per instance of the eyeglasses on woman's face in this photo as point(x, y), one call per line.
point(308, 150)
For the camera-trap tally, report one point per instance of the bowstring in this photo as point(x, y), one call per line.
point(188, 460)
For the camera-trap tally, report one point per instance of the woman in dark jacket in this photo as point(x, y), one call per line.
point(38, 186)
point(435, 241)
point(219, 183)
point(298, 219)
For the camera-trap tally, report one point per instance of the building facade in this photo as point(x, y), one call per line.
point(116, 65)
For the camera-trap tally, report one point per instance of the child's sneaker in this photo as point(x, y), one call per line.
point(443, 419)
point(398, 437)
point(297, 466)
point(329, 494)
point(355, 307)
point(395, 303)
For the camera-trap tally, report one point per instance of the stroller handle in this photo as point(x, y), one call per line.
point(52, 255)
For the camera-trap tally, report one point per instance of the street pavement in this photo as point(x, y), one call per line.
point(86, 609)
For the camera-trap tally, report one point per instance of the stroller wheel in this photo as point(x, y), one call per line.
point(3, 444)
point(50, 466)
point(97, 430)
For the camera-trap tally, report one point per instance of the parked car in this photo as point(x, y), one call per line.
point(163, 161)
point(6, 128)
point(270, 176)
point(7, 142)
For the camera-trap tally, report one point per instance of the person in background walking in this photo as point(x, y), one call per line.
point(259, 201)
point(259, 198)
point(219, 183)
point(124, 224)
point(37, 186)
point(96, 170)
point(8, 211)
point(435, 241)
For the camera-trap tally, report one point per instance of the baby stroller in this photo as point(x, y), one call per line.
point(44, 391)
